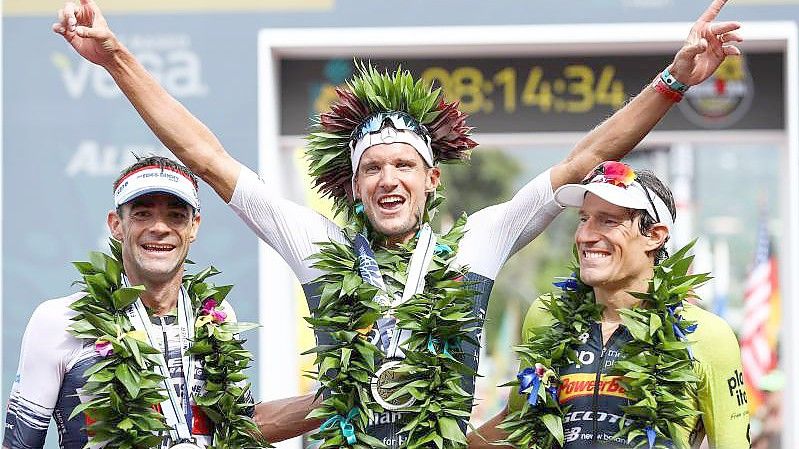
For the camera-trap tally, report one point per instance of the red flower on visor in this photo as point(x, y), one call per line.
point(612, 172)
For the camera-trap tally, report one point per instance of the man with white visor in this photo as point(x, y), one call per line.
point(63, 363)
point(620, 358)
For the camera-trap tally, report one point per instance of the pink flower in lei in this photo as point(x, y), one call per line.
point(103, 347)
point(209, 308)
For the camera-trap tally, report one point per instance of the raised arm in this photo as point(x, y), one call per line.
point(84, 27)
point(705, 48)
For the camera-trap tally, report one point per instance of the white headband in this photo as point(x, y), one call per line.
point(390, 135)
point(632, 197)
point(151, 179)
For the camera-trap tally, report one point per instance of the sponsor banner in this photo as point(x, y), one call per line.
point(170, 58)
point(583, 384)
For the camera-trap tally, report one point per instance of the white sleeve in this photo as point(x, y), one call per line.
point(43, 359)
point(497, 232)
point(292, 230)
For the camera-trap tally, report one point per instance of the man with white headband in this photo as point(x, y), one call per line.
point(377, 153)
point(156, 218)
point(618, 358)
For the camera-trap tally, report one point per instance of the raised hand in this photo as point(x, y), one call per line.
point(85, 28)
point(707, 45)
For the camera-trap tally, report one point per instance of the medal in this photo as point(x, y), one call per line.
point(177, 411)
point(382, 388)
point(387, 381)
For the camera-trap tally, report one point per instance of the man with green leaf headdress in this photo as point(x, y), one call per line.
point(621, 358)
point(397, 308)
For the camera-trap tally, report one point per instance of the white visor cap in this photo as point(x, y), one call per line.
point(632, 197)
point(153, 179)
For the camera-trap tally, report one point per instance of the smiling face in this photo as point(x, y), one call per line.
point(155, 230)
point(392, 182)
point(613, 254)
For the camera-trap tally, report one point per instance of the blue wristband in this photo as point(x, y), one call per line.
point(672, 82)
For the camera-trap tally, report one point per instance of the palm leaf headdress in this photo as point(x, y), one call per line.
point(369, 92)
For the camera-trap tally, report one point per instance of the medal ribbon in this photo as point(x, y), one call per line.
point(172, 406)
point(390, 339)
point(347, 429)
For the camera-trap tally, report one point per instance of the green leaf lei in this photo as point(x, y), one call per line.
point(440, 318)
point(656, 366)
point(125, 388)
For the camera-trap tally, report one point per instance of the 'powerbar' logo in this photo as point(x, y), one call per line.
point(583, 384)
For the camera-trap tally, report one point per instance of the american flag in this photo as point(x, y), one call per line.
point(761, 308)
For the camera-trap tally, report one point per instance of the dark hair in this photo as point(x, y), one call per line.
point(649, 181)
point(157, 161)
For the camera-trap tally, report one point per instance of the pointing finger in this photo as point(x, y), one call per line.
point(712, 11)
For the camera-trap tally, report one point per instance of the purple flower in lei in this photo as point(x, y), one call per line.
point(210, 309)
point(103, 347)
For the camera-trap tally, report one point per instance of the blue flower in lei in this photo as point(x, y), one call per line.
point(569, 284)
point(650, 436)
point(677, 330)
point(530, 380)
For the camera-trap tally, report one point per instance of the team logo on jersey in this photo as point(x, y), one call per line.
point(737, 388)
point(583, 384)
point(722, 99)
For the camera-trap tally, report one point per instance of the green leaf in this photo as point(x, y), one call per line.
point(125, 424)
point(555, 426)
point(125, 376)
point(97, 260)
point(350, 283)
point(450, 430)
point(655, 323)
point(125, 296)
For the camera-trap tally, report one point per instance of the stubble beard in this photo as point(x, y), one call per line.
point(404, 232)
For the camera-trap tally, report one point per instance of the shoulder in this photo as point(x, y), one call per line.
point(54, 312)
point(709, 325)
point(713, 340)
point(47, 333)
point(537, 317)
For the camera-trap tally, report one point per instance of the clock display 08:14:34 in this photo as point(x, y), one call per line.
point(577, 89)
